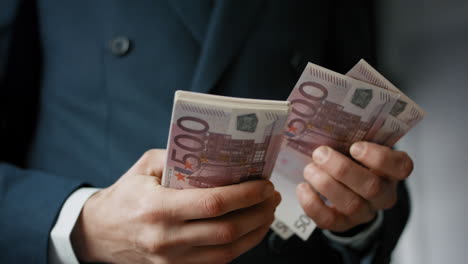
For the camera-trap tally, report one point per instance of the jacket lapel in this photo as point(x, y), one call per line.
point(195, 15)
point(228, 28)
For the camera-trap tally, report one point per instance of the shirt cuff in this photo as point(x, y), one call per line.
point(361, 240)
point(60, 247)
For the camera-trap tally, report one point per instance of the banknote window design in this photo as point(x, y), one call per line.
point(398, 108)
point(259, 156)
point(228, 160)
point(362, 98)
point(247, 123)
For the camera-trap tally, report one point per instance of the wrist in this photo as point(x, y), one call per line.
point(83, 233)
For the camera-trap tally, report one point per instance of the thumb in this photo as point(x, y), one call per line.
point(151, 163)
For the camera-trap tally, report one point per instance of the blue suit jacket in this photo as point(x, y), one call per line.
point(87, 86)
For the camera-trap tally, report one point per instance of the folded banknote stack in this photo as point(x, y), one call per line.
point(217, 140)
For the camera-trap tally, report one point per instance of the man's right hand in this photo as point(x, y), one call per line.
point(136, 220)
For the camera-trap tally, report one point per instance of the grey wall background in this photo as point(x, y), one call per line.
point(424, 50)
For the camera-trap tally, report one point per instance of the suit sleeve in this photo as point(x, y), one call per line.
point(380, 249)
point(394, 222)
point(29, 200)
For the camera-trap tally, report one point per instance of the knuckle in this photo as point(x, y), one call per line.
point(374, 188)
point(152, 212)
point(226, 233)
point(310, 172)
point(353, 206)
point(158, 215)
point(153, 245)
point(310, 205)
point(213, 204)
point(308, 169)
point(380, 160)
point(321, 182)
point(342, 169)
point(142, 212)
point(149, 153)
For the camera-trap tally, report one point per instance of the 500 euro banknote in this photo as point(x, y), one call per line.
point(218, 140)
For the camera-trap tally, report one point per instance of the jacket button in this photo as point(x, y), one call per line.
point(120, 46)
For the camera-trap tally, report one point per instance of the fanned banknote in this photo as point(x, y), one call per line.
point(404, 114)
point(330, 109)
point(218, 140)
point(405, 109)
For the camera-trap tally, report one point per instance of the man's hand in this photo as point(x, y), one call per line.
point(356, 190)
point(136, 220)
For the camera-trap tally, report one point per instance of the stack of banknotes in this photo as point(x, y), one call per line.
point(217, 140)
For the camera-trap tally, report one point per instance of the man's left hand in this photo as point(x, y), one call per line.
point(356, 189)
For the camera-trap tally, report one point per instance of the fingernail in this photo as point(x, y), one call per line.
point(357, 149)
point(320, 155)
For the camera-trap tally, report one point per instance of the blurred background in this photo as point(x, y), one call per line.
point(424, 51)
